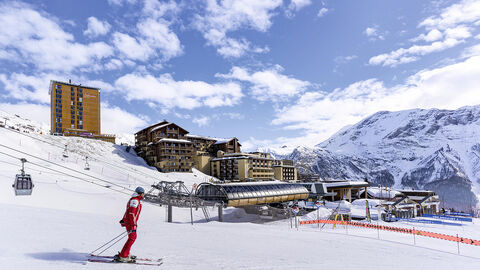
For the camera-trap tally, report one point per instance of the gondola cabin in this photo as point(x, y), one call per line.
point(23, 184)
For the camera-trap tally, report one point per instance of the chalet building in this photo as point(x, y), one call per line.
point(172, 155)
point(164, 146)
point(144, 137)
point(202, 151)
point(227, 146)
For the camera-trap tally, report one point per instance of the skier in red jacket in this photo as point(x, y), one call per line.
point(129, 220)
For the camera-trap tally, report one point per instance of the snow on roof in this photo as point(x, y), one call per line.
point(348, 183)
point(254, 183)
point(222, 141)
point(203, 137)
point(383, 193)
point(173, 140)
point(162, 126)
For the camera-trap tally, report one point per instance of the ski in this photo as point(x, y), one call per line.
point(138, 263)
point(137, 259)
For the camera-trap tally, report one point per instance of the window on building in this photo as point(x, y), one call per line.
point(73, 126)
point(80, 127)
point(73, 121)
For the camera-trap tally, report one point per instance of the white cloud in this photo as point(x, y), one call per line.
point(114, 64)
point(295, 6)
point(121, 2)
point(237, 116)
point(153, 36)
point(222, 17)
point(451, 27)
point(471, 51)
point(131, 48)
point(373, 33)
point(201, 121)
point(477, 36)
point(322, 12)
point(433, 35)
point(27, 88)
point(34, 38)
point(268, 84)
point(402, 56)
point(118, 121)
point(344, 59)
point(466, 11)
point(157, 35)
point(165, 91)
point(96, 27)
point(104, 86)
point(320, 115)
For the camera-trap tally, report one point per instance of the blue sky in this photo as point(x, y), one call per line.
point(272, 73)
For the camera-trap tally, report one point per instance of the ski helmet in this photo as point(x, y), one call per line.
point(140, 190)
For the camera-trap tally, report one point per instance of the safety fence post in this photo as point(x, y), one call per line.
point(414, 240)
point(458, 245)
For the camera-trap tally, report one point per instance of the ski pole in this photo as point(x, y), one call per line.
point(111, 245)
point(109, 242)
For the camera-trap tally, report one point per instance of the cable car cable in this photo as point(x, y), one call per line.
point(60, 166)
point(64, 173)
point(96, 159)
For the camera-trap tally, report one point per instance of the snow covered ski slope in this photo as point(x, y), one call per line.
point(72, 211)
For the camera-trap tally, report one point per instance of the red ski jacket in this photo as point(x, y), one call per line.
point(134, 207)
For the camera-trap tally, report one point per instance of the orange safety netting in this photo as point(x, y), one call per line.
point(397, 229)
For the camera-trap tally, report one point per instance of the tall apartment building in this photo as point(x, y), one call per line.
point(242, 166)
point(284, 170)
point(75, 111)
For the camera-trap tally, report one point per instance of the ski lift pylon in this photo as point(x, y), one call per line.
point(23, 182)
point(65, 152)
point(87, 166)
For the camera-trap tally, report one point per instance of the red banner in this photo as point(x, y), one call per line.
point(397, 229)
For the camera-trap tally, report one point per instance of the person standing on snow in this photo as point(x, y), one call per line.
point(129, 220)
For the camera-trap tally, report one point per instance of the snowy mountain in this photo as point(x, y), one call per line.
point(420, 149)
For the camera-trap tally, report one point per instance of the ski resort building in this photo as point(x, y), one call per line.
point(284, 170)
point(75, 111)
point(427, 201)
point(345, 190)
point(244, 194)
point(170, 148)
